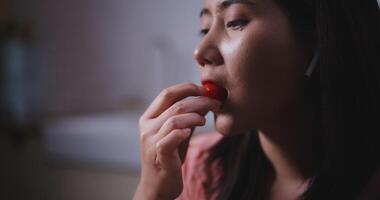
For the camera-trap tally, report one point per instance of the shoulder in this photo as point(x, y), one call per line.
point(372, 189)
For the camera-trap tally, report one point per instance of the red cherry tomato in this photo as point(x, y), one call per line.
point(214, 91)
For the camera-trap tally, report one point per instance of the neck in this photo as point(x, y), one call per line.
point(288, 144)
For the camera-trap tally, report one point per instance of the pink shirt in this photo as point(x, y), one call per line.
point(195, 176)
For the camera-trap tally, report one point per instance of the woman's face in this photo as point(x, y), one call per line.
point(250, 48)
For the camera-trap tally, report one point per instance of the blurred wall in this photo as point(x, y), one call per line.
point(93, 62)
point(85, 61)
point(96, 55)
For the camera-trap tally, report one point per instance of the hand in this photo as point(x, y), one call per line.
point(165, 131)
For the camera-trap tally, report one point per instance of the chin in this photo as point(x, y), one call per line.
point(227, 126)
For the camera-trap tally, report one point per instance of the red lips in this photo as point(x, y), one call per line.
point(214, 91)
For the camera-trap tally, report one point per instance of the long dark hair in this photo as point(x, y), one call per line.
point(344, 92)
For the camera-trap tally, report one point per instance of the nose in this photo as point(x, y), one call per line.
point(208, 53)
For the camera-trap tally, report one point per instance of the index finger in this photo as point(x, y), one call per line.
point(171, 95)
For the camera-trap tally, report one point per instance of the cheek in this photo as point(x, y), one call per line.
point(270, 53)
point(263, 68)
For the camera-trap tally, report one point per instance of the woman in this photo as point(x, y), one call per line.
point(289, 128)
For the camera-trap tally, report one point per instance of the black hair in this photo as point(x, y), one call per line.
point(344, 92)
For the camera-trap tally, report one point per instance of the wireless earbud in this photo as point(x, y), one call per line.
point(313, 63)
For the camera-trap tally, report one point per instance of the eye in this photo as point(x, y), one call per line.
point(203, 32)
point(237, 24)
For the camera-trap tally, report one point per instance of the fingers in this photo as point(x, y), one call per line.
point(200, 105)
point(166, 147)
point(171, 95)
point(170, 143)
point(168, 122)
point(181, 121)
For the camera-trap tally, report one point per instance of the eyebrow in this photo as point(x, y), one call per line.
point(226, 3)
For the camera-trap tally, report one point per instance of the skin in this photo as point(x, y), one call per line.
point(261, 63)
point(165, 130)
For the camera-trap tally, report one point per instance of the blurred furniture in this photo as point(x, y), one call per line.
point(14, 37)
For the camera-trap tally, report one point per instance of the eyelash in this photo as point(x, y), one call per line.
point(234, 25)
point(237, 24)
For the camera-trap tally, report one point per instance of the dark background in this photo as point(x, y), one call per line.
point(75, 76)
